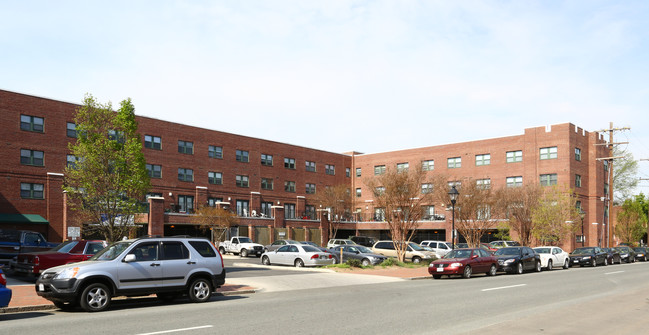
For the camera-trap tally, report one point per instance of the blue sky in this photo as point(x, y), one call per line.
point(369, 76)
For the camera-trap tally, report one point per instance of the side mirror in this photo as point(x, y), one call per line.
point(129, 258)
point(474, 256)
point(357, 252)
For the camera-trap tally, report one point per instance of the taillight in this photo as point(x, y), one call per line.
point(3, 279)
point(37, 261)
point(330, 256)
point(316, 256)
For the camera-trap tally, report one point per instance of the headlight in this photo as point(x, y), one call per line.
point(67, 273)
point(511, 260)
point(455, 265)
point(586, 257)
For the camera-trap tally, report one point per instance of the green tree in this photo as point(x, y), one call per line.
point(555, 216)
point(625, 175)
point(108, 182)
point(632, 219)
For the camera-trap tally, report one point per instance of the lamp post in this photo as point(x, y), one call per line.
point(453, 193)
point(582, 214)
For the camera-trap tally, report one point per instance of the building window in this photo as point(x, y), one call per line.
point(266, 209)
point(548, 153)
point(577, 154)
point(289, 211)
point(483, 183)
point(185, 174)
point(266, 160)
point(152, 142)
point(379, 170)
point(215, 178)
point(454, 162)
point(548, 179)
point(309, 212)
point(577, 180)
point(214, 152)
point(484, 159)
point(358, 172)
point(310, 188)
point(31, 157)
point(31, 123)
point(71, 161)
point(71, 130)
point(578, 205)
point(186, 203)
point(185, 147)
point(348, 172)
point(605, 166)
point(358, 192)
point(455, 183)
point(515, 181)
point(267, 184)
point(31, 191)
point(483, 212)
point(211, 201)
point(428, 165)
point(379, 214)
point(606, 190)
point(402, 167)
point(310, 166)
point(427, 188)
point(289, 186)
point(289, 163)
point(243, 208)
point(242, 156)
point(154, 171)
point(514, 156)
point(330, 169)
point(242, 181)
point(379, 190)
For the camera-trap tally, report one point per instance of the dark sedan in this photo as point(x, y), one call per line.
point(641, 254)
point(464, 262)
point(626, 253)
point(363, 254)
point(613, 255)
point(518, 259)
point(592, 256)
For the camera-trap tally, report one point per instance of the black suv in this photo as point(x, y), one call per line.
point(364, 240)
point(170, 267)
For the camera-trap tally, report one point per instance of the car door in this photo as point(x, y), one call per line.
point(175, 262)
point(484, 258)
point(528, 258)
point(144, 271)
point(351, 253)
point(280, 256)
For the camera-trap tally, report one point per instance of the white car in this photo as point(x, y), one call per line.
point(553, 257)
point(298, 255)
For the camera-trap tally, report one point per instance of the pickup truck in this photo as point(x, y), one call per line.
point(14, 242)
point(34, 263)
point(241, 245)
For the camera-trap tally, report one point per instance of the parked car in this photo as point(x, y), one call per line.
point(241, 245)
point(339, 241)
point(298, 255)
point(518, 259)
point(488, 247)
point(552, 257)
point(363, 254)
point(34, 263)
point(464, 262)
point(626, 253)
point(613, 255)
point(15, 242)
point(441, 248)
point(503, 244)
point(170, 267)
point(365, 241)
point(641, 254)
point(5, 293)
point(279, 243)
point(592, 256)
point(414, 253)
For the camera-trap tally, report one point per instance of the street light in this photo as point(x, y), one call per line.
point(453, 193)
point(582, 214)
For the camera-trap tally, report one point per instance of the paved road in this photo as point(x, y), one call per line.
point(602, 300)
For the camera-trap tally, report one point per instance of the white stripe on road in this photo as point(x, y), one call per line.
point(610, 273)
point(177, 330)
point(502, 287)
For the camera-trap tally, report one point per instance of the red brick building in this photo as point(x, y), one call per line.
point(270, 183)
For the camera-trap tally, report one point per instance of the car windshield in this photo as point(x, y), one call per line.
point(542, 250)
point(364, 250)
point(639, 249)
point(65, 246)
point(245, 240)
point(583, 251)
point(508, 252)
point(458, 254)
point(416, 246)
point(112, 252)
point(513, 244)
point(309, 248)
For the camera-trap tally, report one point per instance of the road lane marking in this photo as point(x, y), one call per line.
point(610, 273)
point(502, 287)
point(177, 330)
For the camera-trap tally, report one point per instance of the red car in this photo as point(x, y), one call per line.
point(64, 253)
point(464, 262)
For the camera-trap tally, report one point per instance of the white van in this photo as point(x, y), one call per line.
point(441, 248)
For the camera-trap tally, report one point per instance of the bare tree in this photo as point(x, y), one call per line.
point(216, 219)
point(555, 216)
point(338, 200)
point(516, 204)
point(399, 194)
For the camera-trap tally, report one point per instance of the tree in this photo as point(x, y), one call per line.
point(516, 203)
point(555, 216)
point(399, 194)
point(625, 175)
point(338, 200)
point(107, 183)
point(632, 220)
point(216, 219)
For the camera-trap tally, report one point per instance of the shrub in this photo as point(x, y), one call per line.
point(354, 263)
point(388, 262)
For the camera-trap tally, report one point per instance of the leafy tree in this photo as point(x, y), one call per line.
point(555, 216)
point(632, 219)
point(338, 200)
point(625, 175)
point(516, 203)
point(107, 184)
point(216, 219)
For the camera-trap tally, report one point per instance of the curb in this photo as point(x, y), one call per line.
point(280, 267)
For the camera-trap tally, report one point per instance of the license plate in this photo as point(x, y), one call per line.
point(576, 261)
point(440, 269)
point(41, 287)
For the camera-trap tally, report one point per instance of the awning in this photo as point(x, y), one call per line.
point(22, 218)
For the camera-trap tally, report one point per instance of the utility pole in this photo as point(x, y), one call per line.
point(607, 200)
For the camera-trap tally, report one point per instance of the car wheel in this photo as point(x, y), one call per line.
point(200, 290)
point(222, 251)
point(538, 266)
point(519, 268)
point(467, 272)
point(593, 262)
point(65, 306)
point(437, 276)
point(95, 298)
point(606, 261)
point(366, 262)
point(416, 260)
point(492, 270)
point(244, 253)
point(566, 265)
point(549, 265)
point(299, 263)
point(265, 260)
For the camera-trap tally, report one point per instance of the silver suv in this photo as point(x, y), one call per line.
point(170, 267)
